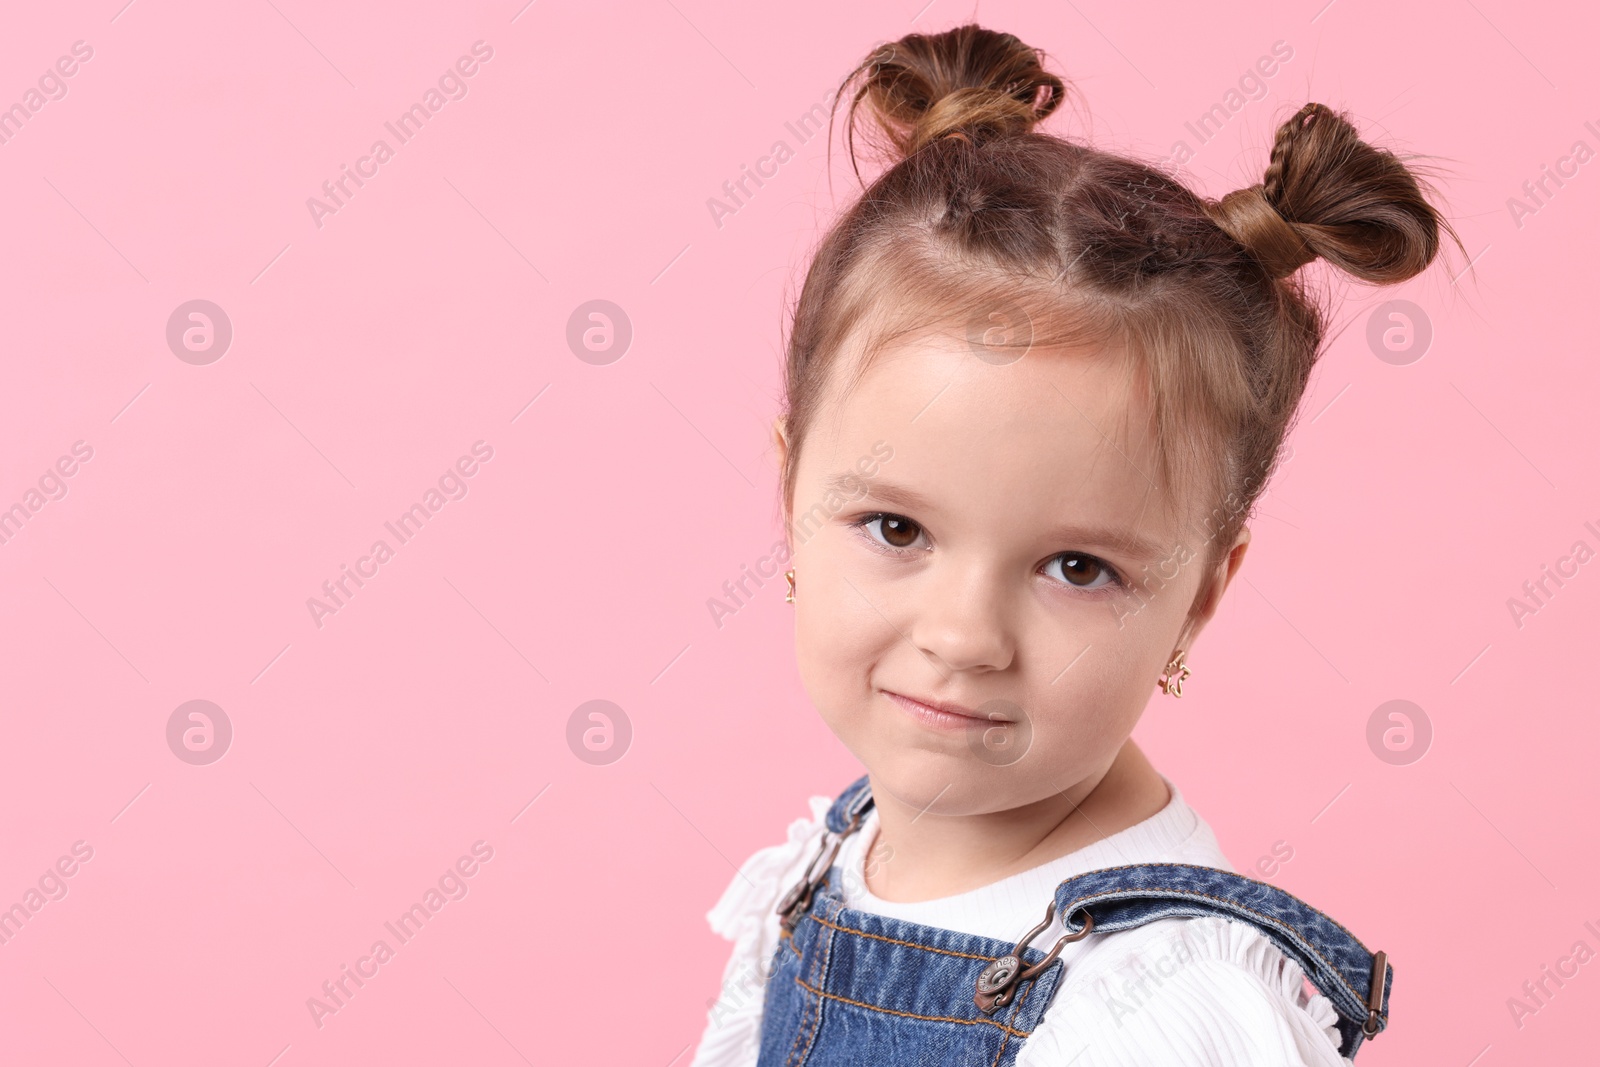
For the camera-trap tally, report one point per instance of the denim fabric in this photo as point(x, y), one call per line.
point(1119, 898)
point(851, 987)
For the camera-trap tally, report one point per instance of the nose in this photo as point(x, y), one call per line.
point(961, 619)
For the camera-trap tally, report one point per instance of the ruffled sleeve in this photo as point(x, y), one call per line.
point(745, 915)
point(1197, 992)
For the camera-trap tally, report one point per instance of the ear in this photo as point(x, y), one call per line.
point(1216, 584)
point(780, 438)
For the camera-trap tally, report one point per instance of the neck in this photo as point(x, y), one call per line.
point(936, 856)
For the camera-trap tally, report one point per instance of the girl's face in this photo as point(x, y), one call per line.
point(1009, 558)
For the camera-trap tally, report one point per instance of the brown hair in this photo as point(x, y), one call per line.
point(980, 215)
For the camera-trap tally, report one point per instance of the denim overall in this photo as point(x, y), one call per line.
point(851, 987)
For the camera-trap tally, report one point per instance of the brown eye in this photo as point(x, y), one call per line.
point(893, 531)
point(1081, 570)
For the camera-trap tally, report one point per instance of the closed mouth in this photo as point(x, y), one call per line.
point(915, 703)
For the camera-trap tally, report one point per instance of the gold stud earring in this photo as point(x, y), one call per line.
point(1171, 682)
point(788, 598)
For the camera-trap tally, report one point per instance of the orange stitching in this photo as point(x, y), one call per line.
point(1014, 1013)
point(822, 975)
point(1206, 896)
point(1245, 877)
point(800, 1026)
point(894, 941)
point(800, 1023)
point(912, 1015)
point(1115, 893)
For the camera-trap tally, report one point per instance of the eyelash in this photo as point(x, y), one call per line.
point(860, 526)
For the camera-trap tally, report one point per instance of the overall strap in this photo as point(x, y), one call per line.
point(1119, 898)
point(843, 818)
point(854, 801)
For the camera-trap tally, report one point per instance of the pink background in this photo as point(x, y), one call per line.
point(369, 353)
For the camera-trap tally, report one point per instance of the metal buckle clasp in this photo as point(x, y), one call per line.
point(998, 982)
point(798, 899)
point(1380, 977)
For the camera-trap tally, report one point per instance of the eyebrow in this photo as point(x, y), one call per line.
point(1099, 536)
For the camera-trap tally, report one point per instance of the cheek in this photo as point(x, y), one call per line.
point(841, 639)
point(1096, 703)
point(1089, 709)
point(836, 628)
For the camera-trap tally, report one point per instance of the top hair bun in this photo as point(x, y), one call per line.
point(968, 83)
point(1329, 194)
point(1326, 193)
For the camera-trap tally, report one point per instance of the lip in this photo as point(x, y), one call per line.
point(939, 714)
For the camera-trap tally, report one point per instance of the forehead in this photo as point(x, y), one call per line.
point(1057, 433)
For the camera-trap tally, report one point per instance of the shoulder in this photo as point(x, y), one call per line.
point(1201, 992)
point(746, 915)
point(762, 879)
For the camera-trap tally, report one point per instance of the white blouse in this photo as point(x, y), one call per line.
point(1196, 992)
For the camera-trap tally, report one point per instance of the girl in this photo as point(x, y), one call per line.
point(1033, 391)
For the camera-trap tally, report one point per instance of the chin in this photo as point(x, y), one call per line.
point(940, 783)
